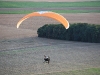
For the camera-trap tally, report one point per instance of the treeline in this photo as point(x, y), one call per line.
point(77, 32)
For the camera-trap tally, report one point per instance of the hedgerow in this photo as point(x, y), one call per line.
point(83, 32)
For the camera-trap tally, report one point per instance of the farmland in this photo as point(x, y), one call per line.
point(60, 7)
point(21, 51)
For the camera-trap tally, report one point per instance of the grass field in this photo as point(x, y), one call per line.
point(91, 71)
point(25, 57)
point(10, 4)
point(60, 7)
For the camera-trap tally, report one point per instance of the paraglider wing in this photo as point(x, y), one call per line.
point(53, 15)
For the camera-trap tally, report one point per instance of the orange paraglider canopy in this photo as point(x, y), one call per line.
point(53, 15)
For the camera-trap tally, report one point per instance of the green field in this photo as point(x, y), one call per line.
point(92, 71)
point(4, 4)
point(60, 7)
point(58, 11)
